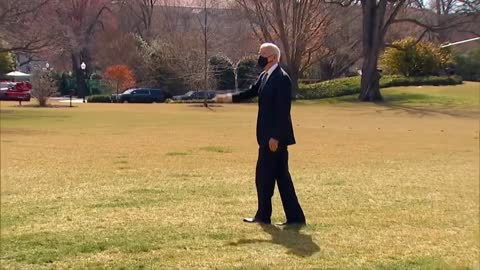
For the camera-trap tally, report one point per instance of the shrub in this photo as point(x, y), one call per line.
point(247, 72)
point(468, 65)
point(396, 80)
point(222, 70)
point(65, 83)
point(412, 59)
point(99, 99)
point(7, 63)
point(332, 88)
point(44, 86)
point(120, 76)
point(100, 87)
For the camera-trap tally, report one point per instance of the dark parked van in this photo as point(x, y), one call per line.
point(142, 95)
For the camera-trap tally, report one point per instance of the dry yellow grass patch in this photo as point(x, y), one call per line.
point(166, 186)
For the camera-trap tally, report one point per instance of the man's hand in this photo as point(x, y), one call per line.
point(273, 144)
point(223, 98)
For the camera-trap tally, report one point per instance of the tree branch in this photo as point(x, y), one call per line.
point(342, 3)
point(392, 17)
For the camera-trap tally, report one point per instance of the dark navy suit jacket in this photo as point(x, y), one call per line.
point(274, 103)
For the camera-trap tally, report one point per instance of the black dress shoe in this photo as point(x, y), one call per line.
point(292, 223)
point(256, 220)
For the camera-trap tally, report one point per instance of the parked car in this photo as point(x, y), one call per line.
point(196, 95)
point(142, 95)
point(15, 91)
point(5, 85)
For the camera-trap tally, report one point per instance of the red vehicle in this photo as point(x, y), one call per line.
point(16, 91)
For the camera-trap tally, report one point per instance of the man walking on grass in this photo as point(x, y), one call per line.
point(274, 135)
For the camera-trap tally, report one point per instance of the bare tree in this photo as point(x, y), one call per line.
point(445, 7)
point(168, 66)
point(199, 26)
point(343, 46)
point(44, 86)
point(27, 26)
point(299, 27)
point(139, 16)
point(117, 48)
point(81, 20)
point(377, 17)
point(464, 15)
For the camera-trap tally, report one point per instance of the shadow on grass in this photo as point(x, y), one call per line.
point(415, 104)
point(38, 250)
point(292, 238)
point(420, 104)
point(402, 98)
point(423, 110)
point(45, 107)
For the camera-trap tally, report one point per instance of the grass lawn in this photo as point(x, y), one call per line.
point(391, 185)
point(466, 95)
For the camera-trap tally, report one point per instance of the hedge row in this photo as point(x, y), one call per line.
point(351, 85)
point(99, 99)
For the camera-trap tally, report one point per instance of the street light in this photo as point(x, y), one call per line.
point(83, 66)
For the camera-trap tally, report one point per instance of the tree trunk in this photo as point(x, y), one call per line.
point(370, 84)
point(294, 78)
point(293, 70)
point(42, 102)
point(373, 19)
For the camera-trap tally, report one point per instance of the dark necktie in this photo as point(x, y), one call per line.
point(263, 81)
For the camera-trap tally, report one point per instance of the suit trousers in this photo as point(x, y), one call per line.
point(273, 167)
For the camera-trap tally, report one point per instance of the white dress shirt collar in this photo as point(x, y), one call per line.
point(270, 71)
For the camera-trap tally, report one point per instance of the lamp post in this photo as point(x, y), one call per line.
point(83, 66)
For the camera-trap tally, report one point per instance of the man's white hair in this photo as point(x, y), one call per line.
point(272, 48)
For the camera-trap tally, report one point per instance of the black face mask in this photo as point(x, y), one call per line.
point(262, 61)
